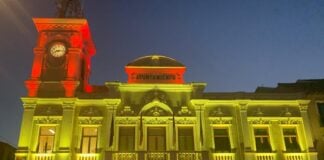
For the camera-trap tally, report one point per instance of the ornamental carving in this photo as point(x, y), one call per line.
point(126, 120)
point(156, 120)
point(47, 119)
point(155, 95)
point(185, 121)
point(127, 111)
point(290, 121)
point(156, 112)
point(90, 112)
point(61, 26)
point(220, 120)
point(48, 111)
point(185, 111)
point(90, 120)
point(260, 121)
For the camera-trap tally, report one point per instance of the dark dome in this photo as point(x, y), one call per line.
point(155, 61)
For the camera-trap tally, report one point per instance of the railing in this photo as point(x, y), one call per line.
point(265, 156)
point(43, 156)
point(125, 156)
point(157, 156)
point(189, 156)
point(87, 156)
point(294, 156)
point(223, 156)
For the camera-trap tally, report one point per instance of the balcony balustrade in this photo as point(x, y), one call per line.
point(189, 156)
point(43, 156)
point(144, 155)
point(157, 156)
point(223, 156)
point(265, 156)
point(125, 156)
point(87, 156)
point(294, 156)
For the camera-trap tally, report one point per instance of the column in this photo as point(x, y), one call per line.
point(303, 106)
point(24, 143)
point(109, 137)
point(243, 125)
point(66, 131)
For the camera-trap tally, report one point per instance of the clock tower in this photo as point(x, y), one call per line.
point(62, 56)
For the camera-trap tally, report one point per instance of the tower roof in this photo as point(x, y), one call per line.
point(155, 60)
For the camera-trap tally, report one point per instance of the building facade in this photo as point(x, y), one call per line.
point(155, 115)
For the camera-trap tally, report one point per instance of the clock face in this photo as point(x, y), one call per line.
point(57, 49)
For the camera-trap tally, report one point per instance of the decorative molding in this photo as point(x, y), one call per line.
point(290, 121)
point(90, 120)
point(90, 112)
point(127, 111)
point(126, 120)
point(260, 121)
point(47, 119)
point(217, 112)
point(155, 120)
point(184, 111)
point(185, 120)
point(220, 120)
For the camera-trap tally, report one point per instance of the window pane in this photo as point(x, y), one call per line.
point(90, 131)
point(89, 140)
point(85, 144)
point(221, 139)
point(291, 140)
point(46, 139)
point(156, 139)
point(93, 144)
point(126, 139)
point(185, 139)
point(262, 141)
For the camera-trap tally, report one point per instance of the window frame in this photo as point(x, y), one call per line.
point(39, 138)
point(90, 137)
point(134, 136)
point(258, 136)
point(227, 128)
point(178, 136)
point(296, 137)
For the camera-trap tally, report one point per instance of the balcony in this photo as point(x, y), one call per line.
point(165, 155)
point(157, 156)
point(87, 156)
point(125, 156)
point(43, 156)
point(265, 156)
point(189, 156)
point(294, 156)
point(223, 156)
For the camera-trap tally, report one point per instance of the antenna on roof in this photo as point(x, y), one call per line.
point(69, 9)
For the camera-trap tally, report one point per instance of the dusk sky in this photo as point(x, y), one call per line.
point(232, 45)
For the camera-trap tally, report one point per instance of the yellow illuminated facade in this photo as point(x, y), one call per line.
point(155, 115)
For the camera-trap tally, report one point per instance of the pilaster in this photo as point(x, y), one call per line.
point(24, 144)
point(66, 134)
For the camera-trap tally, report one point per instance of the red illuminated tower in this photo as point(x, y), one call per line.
point(62, 54)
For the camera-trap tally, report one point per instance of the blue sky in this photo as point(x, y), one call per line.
point(232, 45)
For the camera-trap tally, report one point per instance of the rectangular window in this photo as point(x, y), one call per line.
point(262, 140)
point(126, 139)
point(320, 107)
point(89, 140)
point(291, 140)
point(185, 139)
point(46, 139)
point(156, 139)
point(221, 140)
